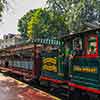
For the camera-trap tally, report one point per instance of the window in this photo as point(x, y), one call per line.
point(92, 45)
point(77, 47)
point(77, 41)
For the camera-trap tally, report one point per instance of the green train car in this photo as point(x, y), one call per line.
point(84, 64)
point(71, 63)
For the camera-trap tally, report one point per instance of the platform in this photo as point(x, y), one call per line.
point(11, 89)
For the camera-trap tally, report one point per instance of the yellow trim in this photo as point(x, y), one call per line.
point(61, 74)
point(54, 97)
point(87, 69)
point(52, 60)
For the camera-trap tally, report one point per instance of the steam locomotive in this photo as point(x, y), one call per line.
point(54, 62)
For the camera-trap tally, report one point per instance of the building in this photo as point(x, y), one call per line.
point(10, 40)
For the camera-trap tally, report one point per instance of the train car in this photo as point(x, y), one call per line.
point(25, 58)
point(17, 60)
point(71, 63)
point(84, 64)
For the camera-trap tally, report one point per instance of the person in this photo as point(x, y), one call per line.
point(91, 50)
point(76, 52)
point(6, 63)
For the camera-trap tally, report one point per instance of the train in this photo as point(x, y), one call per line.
point(56, 63)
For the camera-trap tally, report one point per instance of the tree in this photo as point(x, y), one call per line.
point(40, 23)
point(22, 23)
point(33, 24)
point(2, 5)
point(43, 24)
point(76, 12)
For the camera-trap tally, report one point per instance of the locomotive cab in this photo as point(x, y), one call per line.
point(84, 68)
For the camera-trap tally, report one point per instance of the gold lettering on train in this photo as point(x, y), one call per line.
point(85, 69)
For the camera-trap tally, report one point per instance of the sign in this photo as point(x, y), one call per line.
point(85, 69)
point(50, 64)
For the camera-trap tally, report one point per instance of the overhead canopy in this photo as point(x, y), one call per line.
point(48, 41)
point(28, 44)
point(45, 41)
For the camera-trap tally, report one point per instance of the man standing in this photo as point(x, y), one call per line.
point(77, 51)
point(6, 63)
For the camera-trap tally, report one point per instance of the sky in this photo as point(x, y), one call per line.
point(17, 8)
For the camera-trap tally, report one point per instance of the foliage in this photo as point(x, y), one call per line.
point(22, 23)
point(60, 17)
point(2, 5)
point(40, 23)
point(76, 12)
point(33, 23)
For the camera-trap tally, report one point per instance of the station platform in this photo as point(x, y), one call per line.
point(12, 89)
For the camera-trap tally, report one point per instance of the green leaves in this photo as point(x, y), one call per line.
point(22, 23)
point(76, 12)
point(60, 16)
point(2, 5)
point(40, 23)
point(34, 24)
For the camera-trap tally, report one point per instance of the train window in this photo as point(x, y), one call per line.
point(77, 47)
point(77, 41)
point(92, 45)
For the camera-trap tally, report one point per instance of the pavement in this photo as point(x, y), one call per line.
point(11, 89)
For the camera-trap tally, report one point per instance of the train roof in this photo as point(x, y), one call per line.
point(24, 44)
point(71, 35)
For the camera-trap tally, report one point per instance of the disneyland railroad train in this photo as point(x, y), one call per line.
point(71, 63)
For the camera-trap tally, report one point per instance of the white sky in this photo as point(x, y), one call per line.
point(17, 9)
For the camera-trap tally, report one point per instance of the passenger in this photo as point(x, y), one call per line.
point(6, 63)
point(76, 52)
point(92, 50)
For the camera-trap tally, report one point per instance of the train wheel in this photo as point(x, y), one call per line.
point(98, 97)
point(85, 96)
point(90, 96)
point(76, 95)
